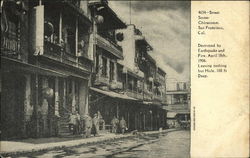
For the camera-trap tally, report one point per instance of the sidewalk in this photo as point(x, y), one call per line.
point(45, 144)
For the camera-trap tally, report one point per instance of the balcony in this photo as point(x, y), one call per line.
point(110, 46)
point(116, 85)
point(56, 52)
point(158, 98)
point(148, 96)
point(101, 80)
point(10, 47)
point(134, 94)
point(159, 78)
point(176, 107)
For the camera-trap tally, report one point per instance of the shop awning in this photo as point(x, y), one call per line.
point(112, 94)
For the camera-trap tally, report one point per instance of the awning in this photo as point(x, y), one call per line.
point(112, 94)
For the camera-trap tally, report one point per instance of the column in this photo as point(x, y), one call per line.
point(28, 109)
point(64, 94)
point(117, 109)
point(108, 68)
point(115, 71)
point(73, 97)
point(100, 65)
point(60, 33)
point(83, 96)
point(56, 96)
point(144, 121)
point(44, 108)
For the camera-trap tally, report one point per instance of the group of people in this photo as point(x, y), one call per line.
point(118, 125)
point(87, 125)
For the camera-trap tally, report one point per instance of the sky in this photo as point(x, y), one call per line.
point(166, 26)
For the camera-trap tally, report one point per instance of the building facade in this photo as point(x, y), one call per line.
point(178, 105)
point(46, 66)
point(65, 57)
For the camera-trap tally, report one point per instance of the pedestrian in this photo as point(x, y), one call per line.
point(96, 125)
point(78, 123)
point(101, 120)
point(88, 125)
point(72, 123)
point(114, 123)
point(123, 125)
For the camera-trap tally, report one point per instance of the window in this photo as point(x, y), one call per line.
point(119, 73)
point(104, 67)
point(51, 24)
point(83, 38)
point(69, 33)
point(97, 64)
point(111, 71)
point(10, 37)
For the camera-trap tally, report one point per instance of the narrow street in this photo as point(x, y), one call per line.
point(170, 145)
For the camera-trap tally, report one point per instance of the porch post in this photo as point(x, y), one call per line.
point(115, 71)
point(56, 97)
point(73, 97)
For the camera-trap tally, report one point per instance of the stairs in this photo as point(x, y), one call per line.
point(64, 126)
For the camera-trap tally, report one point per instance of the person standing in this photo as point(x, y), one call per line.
point(96, 125)
point(123, 125)
point(88, 125)
point(72, 123)
point(78, 123)
point(114, 123)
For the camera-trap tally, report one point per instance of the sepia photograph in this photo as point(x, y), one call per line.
point(95, 79)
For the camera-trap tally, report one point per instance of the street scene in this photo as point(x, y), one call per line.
point(95, 78)
point(171, 144)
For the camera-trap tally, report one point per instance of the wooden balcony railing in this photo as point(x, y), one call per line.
point(56, 52)
point(101, 80)
point(134, 94)
point(116, 85)
point(10, 47)
point(109, 46)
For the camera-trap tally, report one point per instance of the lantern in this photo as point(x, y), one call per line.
point(48, 28)
point(48, 92)
point(99, 19)
point(119, 36)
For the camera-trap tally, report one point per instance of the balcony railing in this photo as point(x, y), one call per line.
point(116, 85)
point(134, 94)
point(101, 80)
point(148, 95)
point(159, 78)
point(178, 107)
point(158, 98)
point(10, 47)
point(56, 52)
point(110, 46)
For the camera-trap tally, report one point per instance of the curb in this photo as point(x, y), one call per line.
point(101, 140)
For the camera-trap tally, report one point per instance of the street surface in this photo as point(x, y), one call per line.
point(174, 144)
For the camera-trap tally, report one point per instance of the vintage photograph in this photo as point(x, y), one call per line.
point(95, 78)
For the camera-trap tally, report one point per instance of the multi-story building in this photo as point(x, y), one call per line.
point(144, 79)
point(47, 59)
point(178, 104)
point(53, 53)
